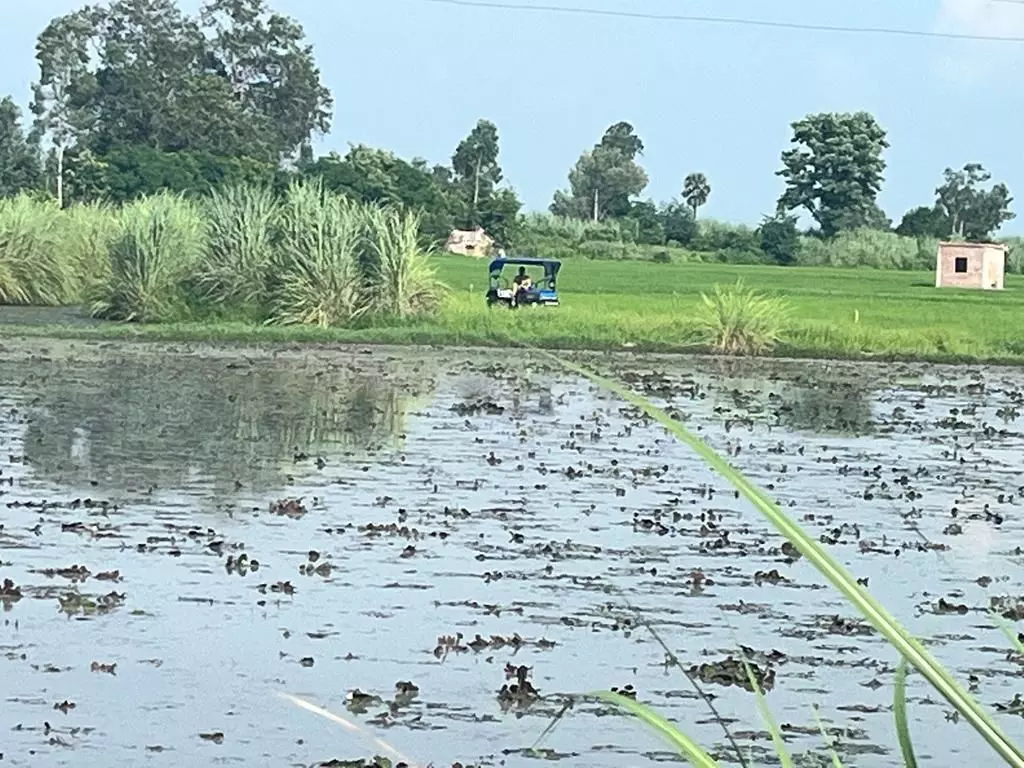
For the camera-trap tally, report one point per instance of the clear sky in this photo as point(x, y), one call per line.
point(414, 76)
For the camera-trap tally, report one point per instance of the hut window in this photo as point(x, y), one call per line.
point(960, 264)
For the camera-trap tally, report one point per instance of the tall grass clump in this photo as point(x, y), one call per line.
point(737, 320)
point(396, 270)
point(316, 265)
point(242, 228)
point(158, 244)
point(34, 268)
point(85, 232)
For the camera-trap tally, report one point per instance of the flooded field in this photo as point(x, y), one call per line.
point(399, 536)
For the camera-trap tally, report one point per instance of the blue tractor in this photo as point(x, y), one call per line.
point(541, 291)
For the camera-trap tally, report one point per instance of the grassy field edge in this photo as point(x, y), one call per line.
point(434, 336)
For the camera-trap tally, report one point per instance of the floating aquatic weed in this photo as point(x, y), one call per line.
point(73, 573)
point(1013, 707)
point(291, 508)
point(405, 692)
point(731, 671)
point(10, 593)
point(242, 565)
point(521, 693)
point(75, 603)
point(313, 568)
point(358, 702)
point(278, 587)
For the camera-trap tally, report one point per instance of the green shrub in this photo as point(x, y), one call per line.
point(720, 236)
point(679, 224)
point(662, 256)
point(157, 246)
point(737, 320)
point(880, 250)
point(601, 250)
point(813, 252)
point(575, 231)
point(780, 239)
point(734, 255)
point(1015, 255)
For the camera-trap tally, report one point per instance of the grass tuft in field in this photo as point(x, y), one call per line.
point(737, 320)
point(157, 245)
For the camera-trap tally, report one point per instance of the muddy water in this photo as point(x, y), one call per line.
point(446, 492)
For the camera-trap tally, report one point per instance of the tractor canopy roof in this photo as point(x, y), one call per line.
point(551, 266)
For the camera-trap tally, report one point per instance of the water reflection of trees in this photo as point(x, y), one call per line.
point(164, 423)
point(827, 407)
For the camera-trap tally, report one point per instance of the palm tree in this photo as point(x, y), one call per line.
point(696, 191)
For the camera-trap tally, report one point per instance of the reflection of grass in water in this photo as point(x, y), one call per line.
point(153, 424)
point(828, 407)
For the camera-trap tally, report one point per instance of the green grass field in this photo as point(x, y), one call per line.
point(648, 306)
point(841, 312)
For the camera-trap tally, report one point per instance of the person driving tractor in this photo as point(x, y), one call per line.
point(521, 282)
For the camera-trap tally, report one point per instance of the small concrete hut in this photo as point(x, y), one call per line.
point(970, 265)
point(469, 242)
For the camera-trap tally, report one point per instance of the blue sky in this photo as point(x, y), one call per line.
point(414, 76)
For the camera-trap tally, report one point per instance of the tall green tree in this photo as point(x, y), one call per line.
point(924, 221)
point(19, 157)
point(970, 211)
point(780, 239)
point(696, 191)
point(679, 224)
point(605, 179)
point(835, 170)
point(379, 176)
point(238, 80)
point(646, 222)
point(271, 69)
point(475, 166)
point(66, 88)
point(474, 178)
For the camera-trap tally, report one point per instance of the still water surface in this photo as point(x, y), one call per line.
point(452, 492)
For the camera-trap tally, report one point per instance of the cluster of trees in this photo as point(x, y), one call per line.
point(833, 171)
point(135, 96)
